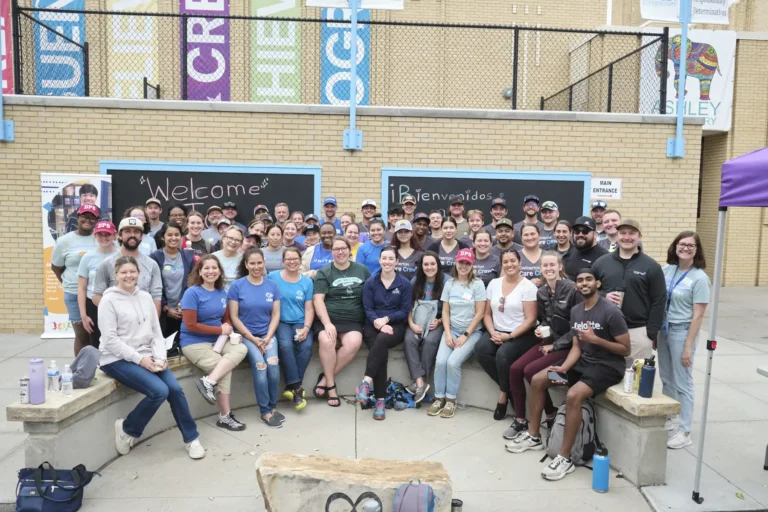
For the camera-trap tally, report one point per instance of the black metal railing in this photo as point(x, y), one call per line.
point(301, 60)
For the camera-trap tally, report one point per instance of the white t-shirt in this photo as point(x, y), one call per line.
point(513, 314)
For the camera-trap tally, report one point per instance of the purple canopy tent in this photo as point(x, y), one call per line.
point(744, 183)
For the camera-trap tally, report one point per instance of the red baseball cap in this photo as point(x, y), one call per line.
point(88, 208)
point(104, 226)
point(466, 255)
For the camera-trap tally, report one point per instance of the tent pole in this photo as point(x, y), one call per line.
point(711, 345)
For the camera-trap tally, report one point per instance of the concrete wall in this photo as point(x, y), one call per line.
point(74, 134)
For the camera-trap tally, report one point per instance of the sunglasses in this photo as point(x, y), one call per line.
point(581, 231)
point(501, 304)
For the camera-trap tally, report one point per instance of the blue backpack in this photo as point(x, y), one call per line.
point(412, 497)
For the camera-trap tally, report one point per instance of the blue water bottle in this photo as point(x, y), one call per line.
point(647, 377)
point(601, 464)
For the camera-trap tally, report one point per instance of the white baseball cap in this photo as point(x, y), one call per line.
point(369, 202)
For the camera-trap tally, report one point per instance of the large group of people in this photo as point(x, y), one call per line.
point(525, 299)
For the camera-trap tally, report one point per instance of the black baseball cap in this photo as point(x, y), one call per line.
point(311, 227)
point(456, 199)
point(599, 204)
point(421, 216)
point(531, 197)
point(230, 204)
point(499, 201)
point(587, 222)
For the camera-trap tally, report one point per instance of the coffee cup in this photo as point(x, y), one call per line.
point(546, 331)
point(235, 338)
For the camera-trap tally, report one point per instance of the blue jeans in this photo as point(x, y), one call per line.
point(676, 379)
point(157, 388)
point(294, 356)
point(448, 364)
point(73, 310)
point(265, 369)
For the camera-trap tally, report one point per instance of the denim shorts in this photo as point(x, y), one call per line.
point(73, 310)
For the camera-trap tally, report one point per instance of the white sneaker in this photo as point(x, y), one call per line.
point(523, 443)
point(679, 440)
point(558, 468)
point(673, 420)
point(196, 450)
point(123, 442)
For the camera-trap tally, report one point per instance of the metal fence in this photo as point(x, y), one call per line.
point(292, 60)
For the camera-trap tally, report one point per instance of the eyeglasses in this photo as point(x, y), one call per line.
point(340, 249)
point(501, 304)
point(230, 239)
point(687, 246)
point(581, 231)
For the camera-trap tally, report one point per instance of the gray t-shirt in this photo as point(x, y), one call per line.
point(547, 242)
point(461, 300)
point(273, 259)
point(692, 289)
point(407, 266)
point(447, 259)
point(149, 275)
point(230, 266)
point(67, 253)
point(529, 269)
point(607, 321)
point(173, 275)
point(154, 229)
point(489, 268)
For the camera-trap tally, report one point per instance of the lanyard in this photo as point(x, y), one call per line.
point(673, 284)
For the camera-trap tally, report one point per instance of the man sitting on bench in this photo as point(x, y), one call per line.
point(594, 363)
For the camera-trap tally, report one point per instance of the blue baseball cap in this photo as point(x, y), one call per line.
point(420, 216)
point(330, 200)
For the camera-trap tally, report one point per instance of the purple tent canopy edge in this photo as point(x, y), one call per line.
point(745, 180)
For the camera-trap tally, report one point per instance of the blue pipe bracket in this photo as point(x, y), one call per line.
point(353, 138)
point(7, 132)
point(676, 145)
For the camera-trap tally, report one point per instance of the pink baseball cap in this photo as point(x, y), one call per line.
point(88, 208)
point(104, 226)
point(466, 255)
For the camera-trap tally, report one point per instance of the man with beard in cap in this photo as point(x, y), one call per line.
point(584, 250)
point(129, 233)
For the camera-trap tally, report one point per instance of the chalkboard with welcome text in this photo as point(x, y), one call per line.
point(433, 188)
point(200, 186)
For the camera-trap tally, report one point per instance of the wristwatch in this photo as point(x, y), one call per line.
point(465, 333)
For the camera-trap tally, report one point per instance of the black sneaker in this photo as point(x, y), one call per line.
point(515, 429)
point(206, 389)
point(549, 423)
point(279, 416)
point(229, 422)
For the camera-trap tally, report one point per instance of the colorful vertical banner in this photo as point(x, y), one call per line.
point(132, 45)
point(61, 198)
point(335, 58)
point(207, 50)
point(5, 47)
point(276, 53)
point(59, 64)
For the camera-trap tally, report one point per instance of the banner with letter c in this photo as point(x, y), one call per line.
point(60, 194)
point(207, 51)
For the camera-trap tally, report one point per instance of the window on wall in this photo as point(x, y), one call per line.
point(701, 175)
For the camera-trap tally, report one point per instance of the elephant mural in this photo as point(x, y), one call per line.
point(702, 64)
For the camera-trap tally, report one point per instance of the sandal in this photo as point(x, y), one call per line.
point(332, 398)
point(318, 386)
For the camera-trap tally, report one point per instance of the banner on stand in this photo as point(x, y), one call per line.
point(60, 194)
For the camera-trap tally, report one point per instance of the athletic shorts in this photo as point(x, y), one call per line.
point(317, 328)
point(597, 376)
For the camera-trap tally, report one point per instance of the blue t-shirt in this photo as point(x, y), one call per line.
point(210, 306)
point(255, 303)
point(320, 257)
point(368, 255)
point(294, 297)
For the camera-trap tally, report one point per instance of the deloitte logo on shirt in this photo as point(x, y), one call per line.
point(586, 325)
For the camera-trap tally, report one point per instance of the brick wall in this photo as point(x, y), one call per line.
point(63, 139)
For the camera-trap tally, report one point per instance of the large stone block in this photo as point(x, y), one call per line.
point(300, 483)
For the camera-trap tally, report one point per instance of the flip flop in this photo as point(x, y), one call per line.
point(318, 386)
point(331, 398)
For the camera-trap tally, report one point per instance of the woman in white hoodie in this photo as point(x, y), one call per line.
point(133, 353)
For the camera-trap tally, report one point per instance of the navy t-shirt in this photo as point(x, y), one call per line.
point(255, 303)
point(210, 306)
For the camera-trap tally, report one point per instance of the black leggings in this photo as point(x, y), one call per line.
point(93, 313)
point(496, 359)
point(378, 344)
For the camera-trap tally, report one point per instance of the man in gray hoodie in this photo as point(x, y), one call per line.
point(129, 233)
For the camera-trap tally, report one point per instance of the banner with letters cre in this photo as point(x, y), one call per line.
point(336, 60)
point(207, 50)
point(61, 197)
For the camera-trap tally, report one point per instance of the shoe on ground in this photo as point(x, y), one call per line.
point(672, 422)
point(229, 422)
point(421, 392)
point(299, 402)
point(195, 449)
point(279, 416)
point(411, 388)
point(558, 468)
point(524, 443)
point(363, 391)
point(381, 411)
point(272, 421)
point(436, 408)
point(123, 442)
point(449, 410)
point(288, 394)
point(516, 429)
point(206, 389)
point(679, 441)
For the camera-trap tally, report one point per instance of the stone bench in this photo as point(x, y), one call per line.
point(299, 482)
point(631, 427)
